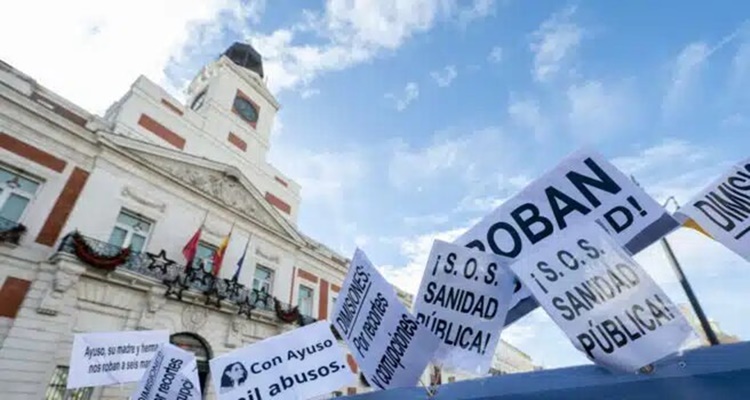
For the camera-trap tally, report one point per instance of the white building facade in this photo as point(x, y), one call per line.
point(95, 212)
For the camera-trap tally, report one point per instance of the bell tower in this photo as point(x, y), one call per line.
point(231, 95)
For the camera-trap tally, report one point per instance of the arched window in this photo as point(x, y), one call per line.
point(198, 346)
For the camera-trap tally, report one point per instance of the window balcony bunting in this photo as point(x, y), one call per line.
point(178, 279)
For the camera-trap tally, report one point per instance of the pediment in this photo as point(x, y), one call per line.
point(220, 182)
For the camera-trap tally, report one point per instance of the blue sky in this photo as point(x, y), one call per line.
point(408, 121)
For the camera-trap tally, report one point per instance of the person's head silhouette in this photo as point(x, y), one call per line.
point(234, 375)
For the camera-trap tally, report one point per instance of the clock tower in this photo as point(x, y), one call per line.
point(228, 117)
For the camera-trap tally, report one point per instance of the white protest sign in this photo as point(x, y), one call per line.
point(390, 347)
point(723, 209)
point(107, 358)
point(298, 364)
point(171, 375)
point(463, 300)
point(582, 188)
point(609, 307)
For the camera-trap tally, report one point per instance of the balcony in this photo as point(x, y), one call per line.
point(178, 279)
point(10, 231)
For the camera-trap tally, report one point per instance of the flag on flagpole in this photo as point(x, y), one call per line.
point(191, 248)
point(241, 260)
point(220, 251)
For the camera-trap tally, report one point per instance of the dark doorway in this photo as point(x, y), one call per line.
point(198, 346)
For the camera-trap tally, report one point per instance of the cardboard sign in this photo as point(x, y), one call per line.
point(463, 300)
point(171, 375)
point(582, 188)
point(299, 364)
point(604, 301)
point(390, 347)
point(108, 358)
point(723, 209)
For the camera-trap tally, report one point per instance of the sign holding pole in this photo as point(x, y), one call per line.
point(582, 188)
point(608, 306)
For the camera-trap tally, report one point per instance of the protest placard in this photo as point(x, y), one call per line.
point(463, 299)
point(299, 364)
point(171, 375)
point(391, 348)
point(723, 209)
point(582, 188)
point(108, 358)
point(608, 306)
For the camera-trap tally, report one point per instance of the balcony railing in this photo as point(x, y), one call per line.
point(11, 231)
point(177, 277)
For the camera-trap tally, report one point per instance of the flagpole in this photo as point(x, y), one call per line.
point(692, 298)
point(239, 265)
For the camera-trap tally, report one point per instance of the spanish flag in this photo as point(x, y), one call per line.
point(219, 254)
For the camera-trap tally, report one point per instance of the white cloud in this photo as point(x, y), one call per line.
point(91, 51)
point(308, 92)
point(553, 43)
point(323, 175)
point(598, 111)
point(526, 115)
point(352, 32)
point(445, 77)
point(402, 100)
point(496, 55)
point(673, 167)
point(685, 70)
point(415, 250)
point(477, 10)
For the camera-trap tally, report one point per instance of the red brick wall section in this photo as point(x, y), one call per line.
point(11, 296)
point(323, 305)
point(352, 363)
point(171, 106)
point(161, 131)
point(63, 206)
point(30, 152)
point(281, 181)
point(235, 140)
point(278, 203)
point(306, 275)
point(336, 288)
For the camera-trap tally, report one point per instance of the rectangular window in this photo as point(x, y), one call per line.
point(205, 256)
point(56, 390)
point(332, 306)
point(130, 230)
point(305, 300)
point(16, 192)
point(263, 279)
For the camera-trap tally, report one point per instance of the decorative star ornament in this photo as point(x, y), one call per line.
point(246, 306)
point(159, 261)
point(175, 287)
point(214, 294)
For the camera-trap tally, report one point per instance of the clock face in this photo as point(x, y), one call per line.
point(198, 102)
point(246, 109)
